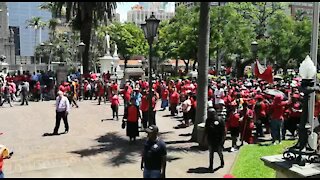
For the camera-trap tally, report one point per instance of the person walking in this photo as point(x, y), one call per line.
point(62, 111)
point(132, 115)
point(24, 93)
point(6, 94)
point(144, 109)
point(154, 156)
point(215, 133)
point(234, 125)
point(277, 112)
point(115, 106)
point(174, 101)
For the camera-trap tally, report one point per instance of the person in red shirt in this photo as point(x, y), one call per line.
point(144, 109)
point(260, 115)
point(277, 109)
point(100, 90)
point(132, 115)
point(193, 109)
point(294, 114)
point(246, 124)
point(37, 91)
point(114, 87)
point(234, 125)
point(174, 101)
point(164, 98)
point(115, 106)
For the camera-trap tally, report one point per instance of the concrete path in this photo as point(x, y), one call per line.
point(93, 148)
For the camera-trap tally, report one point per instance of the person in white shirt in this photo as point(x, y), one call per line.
point(219, 95)
point(62, 111)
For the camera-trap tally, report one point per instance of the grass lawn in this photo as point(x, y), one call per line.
point(249, 165)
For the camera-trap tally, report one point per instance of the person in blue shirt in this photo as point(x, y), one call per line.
point(137, 96)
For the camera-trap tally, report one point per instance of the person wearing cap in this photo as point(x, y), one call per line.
point(62, 111)
point(132, 115)
point(174, 101)
point(137, 96)
point(115, 106)
point(154, 155)
point(186, 107)
point(24, 93)
point(216, 133)
point(4, 154)
point(144, 107)
point(234, 125)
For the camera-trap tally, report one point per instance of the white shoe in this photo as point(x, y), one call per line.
point(232, 149)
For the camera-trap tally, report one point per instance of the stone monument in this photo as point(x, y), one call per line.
point(7, 47)
point(106, 60)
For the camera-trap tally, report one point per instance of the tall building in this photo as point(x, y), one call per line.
point(190, 4)
point(7, 49)
point(153, 6)
point(138, 14)
point(19, 13)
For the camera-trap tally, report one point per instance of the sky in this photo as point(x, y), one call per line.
point(124, 7)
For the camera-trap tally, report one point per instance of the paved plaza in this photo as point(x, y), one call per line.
point(93, 148)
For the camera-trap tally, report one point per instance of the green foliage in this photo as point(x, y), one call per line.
point(249, 164)
point(128, 37)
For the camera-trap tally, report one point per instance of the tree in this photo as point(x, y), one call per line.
point(203, 56)
point(85, 15)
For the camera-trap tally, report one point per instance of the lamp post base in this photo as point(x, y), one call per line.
point(294, 155)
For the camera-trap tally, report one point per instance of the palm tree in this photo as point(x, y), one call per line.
point(36, 24)
point(52, 24)
point(203, 57)
point(85, 15)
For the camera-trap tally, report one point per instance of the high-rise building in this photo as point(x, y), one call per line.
point(19, 13)
point(191, 4)
point(137, 14)
point(7, 49)
point(153, 6)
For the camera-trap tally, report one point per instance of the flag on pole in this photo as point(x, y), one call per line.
point(264, 73)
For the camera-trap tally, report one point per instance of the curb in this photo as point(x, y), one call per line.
point(235, 160)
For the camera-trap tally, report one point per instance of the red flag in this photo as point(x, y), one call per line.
point(263, 73)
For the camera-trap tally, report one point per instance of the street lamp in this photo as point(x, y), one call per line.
point(42, 47)
point(307, 71)
point(81, 47)
point(150, 29)
point(50, 56)
point(254, 49)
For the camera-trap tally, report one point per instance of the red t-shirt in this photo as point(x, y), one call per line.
point(234, 120)
point(115, 100)
point(1, 163)
point(115, 87)
point(164, 94)
point(133, 114)
point(278, 110)
point(144, 103)
point(295, 106)
point(210, 92)
point(174, 98)
point(127, 94)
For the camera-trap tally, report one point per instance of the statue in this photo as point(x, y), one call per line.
point(115, 54)
point(107, 38)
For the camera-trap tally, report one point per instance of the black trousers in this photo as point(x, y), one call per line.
point(115, 111)
point(152, 121)
point(219, 151)
point(24, 99)
point(60, 115)
point(145, 119)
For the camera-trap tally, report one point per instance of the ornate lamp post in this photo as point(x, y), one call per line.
point(81, 47)
point(254, 49)
point(50, 56)
point(298, 152)
point(150, 29)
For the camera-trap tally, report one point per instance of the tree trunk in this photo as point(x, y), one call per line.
point(85, 36)
point(203, 56)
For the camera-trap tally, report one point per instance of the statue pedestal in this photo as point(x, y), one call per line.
point(106, 62)
point(286, 169)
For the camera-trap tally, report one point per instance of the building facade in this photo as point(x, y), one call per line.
point(19, 13)
point(305, 7)
point(138, 14)
point(191, 4)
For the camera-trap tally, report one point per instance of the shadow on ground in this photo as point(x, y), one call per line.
point(202, 170)
point(120, 149)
